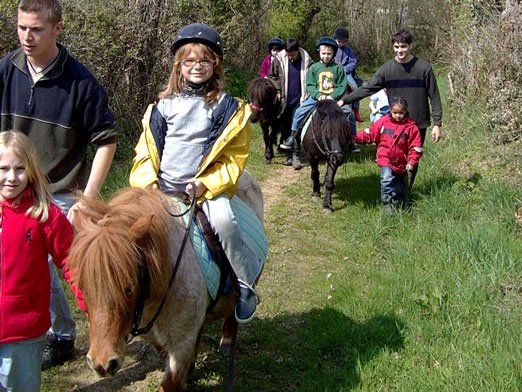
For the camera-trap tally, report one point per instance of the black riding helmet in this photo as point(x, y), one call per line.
point(199, 33)
point(277, 42)
point(341, 33)
point(328, 41)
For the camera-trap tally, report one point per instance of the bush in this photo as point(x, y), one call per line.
point(485, 71)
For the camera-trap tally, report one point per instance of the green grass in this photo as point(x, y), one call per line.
point(425, 300)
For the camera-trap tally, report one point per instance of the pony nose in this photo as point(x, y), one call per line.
point(110, 369)
point(338, 158)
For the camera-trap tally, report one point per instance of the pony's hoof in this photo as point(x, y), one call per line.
point(327, 211)
point(316, 198)
point(268, 161)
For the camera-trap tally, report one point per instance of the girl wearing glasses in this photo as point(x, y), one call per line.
point(196, 139)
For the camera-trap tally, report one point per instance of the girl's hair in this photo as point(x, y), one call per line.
point(176, 83)
point(24, 150)
point(52, 8)
point(401, 101)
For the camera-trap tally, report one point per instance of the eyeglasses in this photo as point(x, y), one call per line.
point(191, 63)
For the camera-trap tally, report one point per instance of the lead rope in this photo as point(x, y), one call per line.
point(231, 361)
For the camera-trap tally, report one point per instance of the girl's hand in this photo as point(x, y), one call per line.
point(409, 167)
point(78, 206)
point(197, 185)
point(154, 186)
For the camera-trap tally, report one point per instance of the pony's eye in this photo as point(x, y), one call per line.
point(128, 291)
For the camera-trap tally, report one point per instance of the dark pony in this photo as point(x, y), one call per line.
point(327, 138)
point(262, 95)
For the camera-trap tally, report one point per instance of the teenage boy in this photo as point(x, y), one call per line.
point(50, 96)
point(325, 80)
point(410, 77)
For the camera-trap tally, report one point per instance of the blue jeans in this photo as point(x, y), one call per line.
point(21, 365)
point(354, 83)
point(392, 187)
point(301, 112)
point(62, 321)
point(351, 118)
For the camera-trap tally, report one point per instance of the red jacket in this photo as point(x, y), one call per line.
point(397, 143)
point(25, 284)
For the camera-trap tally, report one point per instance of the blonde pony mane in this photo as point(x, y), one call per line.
point(105, 256)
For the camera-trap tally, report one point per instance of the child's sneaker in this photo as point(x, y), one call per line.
point(288, 144)
point(246, 304)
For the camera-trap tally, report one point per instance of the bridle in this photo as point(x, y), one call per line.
point(144, 277)
point(324, 149)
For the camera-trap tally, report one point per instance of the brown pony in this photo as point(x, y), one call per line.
point(262, 95)
point(137, 233)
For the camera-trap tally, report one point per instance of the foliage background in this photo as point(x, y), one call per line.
point(126, 44)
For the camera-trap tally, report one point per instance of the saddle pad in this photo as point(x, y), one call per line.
point(254, 236)
point(307, 123)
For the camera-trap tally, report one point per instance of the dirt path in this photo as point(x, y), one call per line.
point(143, 369)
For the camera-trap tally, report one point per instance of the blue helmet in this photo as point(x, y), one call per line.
point(277, 42)
point(328, 41)
point(198, 33)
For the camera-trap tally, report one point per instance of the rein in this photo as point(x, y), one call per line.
point(144, 281)
point(326, 151)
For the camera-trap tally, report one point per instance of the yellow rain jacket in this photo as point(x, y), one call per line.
point(220, 169)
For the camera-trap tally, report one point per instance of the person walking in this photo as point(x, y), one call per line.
point(288, 73)
point(51, 97)
point(411, 77)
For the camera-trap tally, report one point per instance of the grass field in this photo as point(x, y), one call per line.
point(424, 300)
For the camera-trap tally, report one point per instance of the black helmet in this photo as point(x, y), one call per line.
point(341, 33)
point(328, 41)
point(199, 33)
point(277, 42)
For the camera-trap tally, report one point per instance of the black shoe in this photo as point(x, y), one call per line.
point(296, 163)
point(56, 351)
point(246, 303)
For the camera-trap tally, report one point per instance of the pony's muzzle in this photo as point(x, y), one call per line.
point(109, 369)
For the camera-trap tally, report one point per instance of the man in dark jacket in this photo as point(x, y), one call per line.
point(51, 97)
point(410, 77)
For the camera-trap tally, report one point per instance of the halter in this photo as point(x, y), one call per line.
point(256, 108)
point(326, 151)
point(144, 278)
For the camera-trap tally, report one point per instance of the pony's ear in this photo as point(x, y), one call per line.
point(141, 226)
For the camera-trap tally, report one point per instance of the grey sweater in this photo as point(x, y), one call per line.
point(414, 81)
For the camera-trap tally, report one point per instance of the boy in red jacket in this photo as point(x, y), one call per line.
point(399, 148)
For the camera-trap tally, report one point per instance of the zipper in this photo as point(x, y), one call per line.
point(30, 102)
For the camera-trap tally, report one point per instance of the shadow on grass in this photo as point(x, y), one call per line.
point(366, 189)
point(319, 350)
point(148, 360)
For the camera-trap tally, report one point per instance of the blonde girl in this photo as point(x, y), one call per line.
point(31, 229)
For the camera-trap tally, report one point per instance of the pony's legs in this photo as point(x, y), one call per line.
point(314, 175)
point(269, 146)
point(178, 367)
point(329, 187)
point(228, 333)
